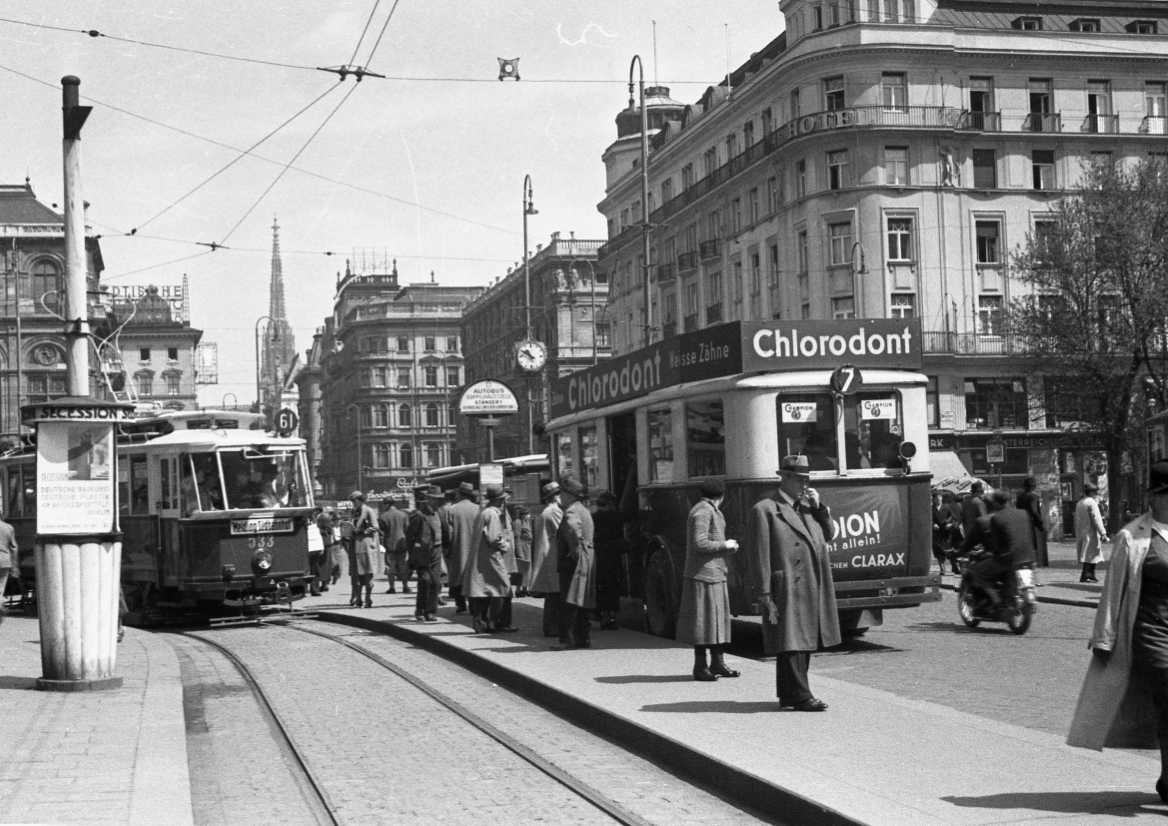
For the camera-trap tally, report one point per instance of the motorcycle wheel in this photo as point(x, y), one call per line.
point(1018, 617)
point(966, 605)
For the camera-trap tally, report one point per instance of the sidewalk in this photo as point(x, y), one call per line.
point(873, 758)
point(106, 757)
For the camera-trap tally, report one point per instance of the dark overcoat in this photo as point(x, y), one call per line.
point(545, 575)
point(794, 569)
point(576, 559)
point(463, 541)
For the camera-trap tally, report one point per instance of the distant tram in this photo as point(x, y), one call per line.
point(212, 509)
point(729, 402)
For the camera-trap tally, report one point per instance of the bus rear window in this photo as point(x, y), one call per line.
point(872, 431)
point(705, 438)
point(661, 445)
point(807, 427)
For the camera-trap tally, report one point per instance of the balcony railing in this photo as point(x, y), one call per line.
point(714, 313)
point(1154, 125)
point(710, 249)
point(1101, 124)
point(666, 273)
point(687, 261)
point(1043, 122)
point(691, 322)
point(981, 121)
point(973, 344)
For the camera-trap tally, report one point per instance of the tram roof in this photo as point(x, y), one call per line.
point(746, 381)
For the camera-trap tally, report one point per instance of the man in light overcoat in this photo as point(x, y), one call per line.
point(576, 561)
point(545, 577)
point(789, 534)
point(486, 580)
point(462, 542)
point(8, 561)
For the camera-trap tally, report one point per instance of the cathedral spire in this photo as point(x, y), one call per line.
point(279, 343)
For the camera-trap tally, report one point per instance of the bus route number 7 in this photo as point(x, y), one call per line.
point(846, 380)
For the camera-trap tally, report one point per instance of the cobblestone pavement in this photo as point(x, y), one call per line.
point(237, 772)
point(925, 653)
point(387, 753)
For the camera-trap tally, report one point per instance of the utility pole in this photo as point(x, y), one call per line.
point(76, 289)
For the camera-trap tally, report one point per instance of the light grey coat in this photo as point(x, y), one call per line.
point(1089, 530)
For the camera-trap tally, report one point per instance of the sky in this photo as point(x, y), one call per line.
point(425, 166)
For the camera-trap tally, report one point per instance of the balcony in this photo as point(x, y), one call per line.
point(710, 249)
point(1100, 124)
point(1154, 125)
point(691, 322)
point(1043, 122)
point(687, 261)
point(981, 121)
point(973, 344)
point(714, 313)
point(666, 273)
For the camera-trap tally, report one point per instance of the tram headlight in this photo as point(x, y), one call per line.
point(228, 572)
point(261, 562)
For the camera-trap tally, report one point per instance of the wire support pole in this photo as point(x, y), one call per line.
point(640, 66)
point(76, 297)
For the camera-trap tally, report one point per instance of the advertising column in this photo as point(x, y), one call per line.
point(78, 541)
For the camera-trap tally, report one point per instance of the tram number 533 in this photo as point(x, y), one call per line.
point(258, 542)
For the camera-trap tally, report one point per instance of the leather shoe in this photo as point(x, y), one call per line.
point(704, 675)
point(430, 618)
point(721, 670)
point(506, 629)
point(811, 704)
point(480, 627)
point(570, 646)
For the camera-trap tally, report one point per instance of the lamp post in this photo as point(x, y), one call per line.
point(592, 280)
point(528, 209)
point(644, 188)
point(863, 270)
point(259, 397)
point(349, 409)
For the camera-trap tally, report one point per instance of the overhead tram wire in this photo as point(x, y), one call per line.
point(288, 165)
point(361, 39)
point(381, 34)
point(242, 154)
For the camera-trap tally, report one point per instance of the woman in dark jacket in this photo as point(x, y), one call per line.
point(704, 619)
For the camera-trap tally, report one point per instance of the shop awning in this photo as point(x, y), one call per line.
point(948, 472)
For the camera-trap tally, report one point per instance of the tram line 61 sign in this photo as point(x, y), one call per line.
point(286, 421)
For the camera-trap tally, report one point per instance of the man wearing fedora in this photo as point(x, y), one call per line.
point(462, 542)
point(545, 577)
point(423, 537)
point(576, 564)
point(789, 533)
point(1090, 532)
point(392, 522)
point(486, 580)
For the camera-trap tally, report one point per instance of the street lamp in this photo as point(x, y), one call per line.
point(259, 397)
point(349, 409)
point(528, 209)
point(863, 270)
point(644, 187)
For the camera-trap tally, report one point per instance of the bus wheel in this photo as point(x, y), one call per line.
point(660, 615)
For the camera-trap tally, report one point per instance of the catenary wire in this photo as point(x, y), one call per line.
point(382, 33)
point(243, 153)
point(288, 165)
point(361, 39)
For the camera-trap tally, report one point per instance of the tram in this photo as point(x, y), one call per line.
point(728, 402)
point(524, 473)
point(213, 510)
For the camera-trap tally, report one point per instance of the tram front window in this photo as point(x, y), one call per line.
point(706, 438)
point(872, 431)
point(807, 427)
point(201, 487)
point(257, 480)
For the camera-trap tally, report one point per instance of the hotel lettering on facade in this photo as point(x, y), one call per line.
point(882, 160)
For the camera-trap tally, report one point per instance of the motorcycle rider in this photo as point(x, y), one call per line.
point(1007, 534)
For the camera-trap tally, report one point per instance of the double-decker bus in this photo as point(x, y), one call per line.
point(729, 402)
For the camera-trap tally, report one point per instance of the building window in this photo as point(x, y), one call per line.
point(985, 169)
point(46, 286)
point(748, 134)
point(840, 237)
point(1085, 24)
point(709, 161)
point(381, 415)
point(988, 246)
point(981, 101)
point(773, 194)
point(403, 344)
point(43, 388)
point(837, 164)
point(796, 107)
point(801, 249)
point(735, 215)
point(894, 90)
point(900, 239)
point(431, 344)
point(731, 146)
point(431, 415)
point(754, 206)
point(1099, 106)
point(405, 416)
point(379, 376)
point(989, 314)
point(145, 384)
point(896, 165)
point(173, 384)
point(144, 355)
point(1029, 24)
point(403, 377)
point(842, 308)
point(833, 94)
point(431, 376)
point(801, 179)
point(714, 288)
point(1156, 107)
point(1043, 168)
point(406, 456)
point(933, 403)
point(687, 176)
point(904, 305)
point(773, 278)
point(996, 403)
point(381, 456)
point(172, 354)
point(452, 379)
point(1142, 27)
point(768, 121)
point(602, 334)
point(433, 454)
point(1041, 106)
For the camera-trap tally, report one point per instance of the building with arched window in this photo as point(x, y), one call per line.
point(32, 268)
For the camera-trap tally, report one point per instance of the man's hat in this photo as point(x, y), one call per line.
point(797, 465)
point(1158, 477)
point(494, 492)
point(433, 491)
point(357, 495)
point(572, 485)
point(466, 488)
point(549, 490)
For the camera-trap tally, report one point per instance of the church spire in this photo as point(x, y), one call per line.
point(279, 343)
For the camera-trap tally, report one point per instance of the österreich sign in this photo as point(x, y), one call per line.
point(488, 398)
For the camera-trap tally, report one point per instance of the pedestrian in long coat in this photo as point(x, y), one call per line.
point(1031, 502)
point(576, 563)
point(392, 522)
point(545, 577)
point(522, 526)
point(704, 618)
point(486, 581)
point(1124, 699)
point(463, 542)
point(424, 540)
point(1090, 533)
point(789, 535)
point(365, 556)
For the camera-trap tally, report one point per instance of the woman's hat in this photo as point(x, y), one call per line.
point(572, 485)
point(797, 465)
point(1158, 477)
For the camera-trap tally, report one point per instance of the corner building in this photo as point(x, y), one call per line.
point(882, 158)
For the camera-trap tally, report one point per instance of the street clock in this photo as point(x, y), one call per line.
point(530, 355)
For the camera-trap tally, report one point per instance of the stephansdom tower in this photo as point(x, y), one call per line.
point(279, 345)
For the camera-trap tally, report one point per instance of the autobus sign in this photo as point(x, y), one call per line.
point(488, 398)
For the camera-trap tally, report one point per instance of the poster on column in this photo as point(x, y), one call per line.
point(75, 480)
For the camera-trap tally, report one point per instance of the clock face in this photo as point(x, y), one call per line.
point(531, 355)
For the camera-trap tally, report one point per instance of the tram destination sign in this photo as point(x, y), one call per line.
point(741, 347)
